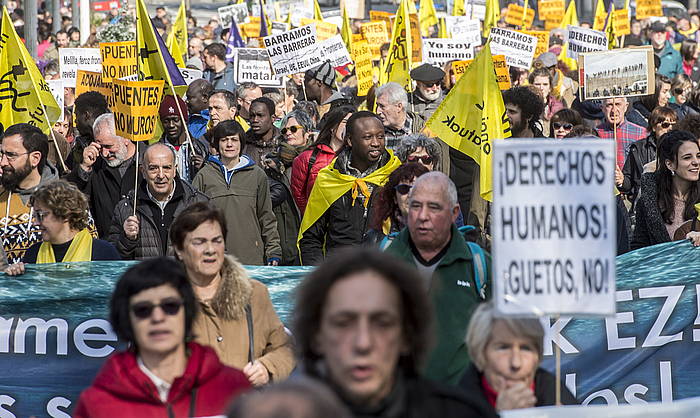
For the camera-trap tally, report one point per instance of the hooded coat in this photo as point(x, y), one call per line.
point(122, 389)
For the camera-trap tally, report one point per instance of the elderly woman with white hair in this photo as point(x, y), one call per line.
point(418, 148)
point(506, 353)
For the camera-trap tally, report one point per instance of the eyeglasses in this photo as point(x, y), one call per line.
point(293, 129)
point(144, 310)
point(667, 125)
point(403, 189)
point(11, 156)
point(425, 159)
point(680, 90)
point(40, 215)
point(567, 126)
point(431, 83)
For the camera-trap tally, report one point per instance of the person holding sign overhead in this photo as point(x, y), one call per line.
point(614, 110)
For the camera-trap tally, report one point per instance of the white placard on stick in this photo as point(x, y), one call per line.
point(585, 40)
point(518, 47)
point(190, 74)
point(56, 87)
point(617, 73)
point(294, 51)
point(334, 49)
point(439, 51)
point(73, 59)
point(554, 227)
point(239, 12)
point(462, 27)
point(253, 64)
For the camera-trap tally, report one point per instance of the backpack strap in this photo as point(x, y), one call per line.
point(479, 265)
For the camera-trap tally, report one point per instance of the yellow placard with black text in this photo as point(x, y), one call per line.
point(648, 8)
point(92, 81)
point(517, 16)
point(499, 65)
point(324, 30)
point(621, 22)
point(136, 108)
point(118, 59)
point(362, 56)
point(551, 10)
point(376, 35)
point(542, 40)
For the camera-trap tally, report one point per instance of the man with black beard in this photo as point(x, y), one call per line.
point(24, 168)
point(107, 172)
point(523, 108)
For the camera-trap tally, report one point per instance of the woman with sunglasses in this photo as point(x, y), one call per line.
point(162, 373)
point(563, 122)
point(60, 211)
point(418, 148)
point(684, 100)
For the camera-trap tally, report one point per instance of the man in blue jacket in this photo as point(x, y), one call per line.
point(671, 61)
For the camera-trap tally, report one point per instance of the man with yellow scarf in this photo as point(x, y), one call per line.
point(61, 213)
point(338, 211)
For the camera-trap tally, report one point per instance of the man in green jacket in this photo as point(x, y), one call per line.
point(434, 245)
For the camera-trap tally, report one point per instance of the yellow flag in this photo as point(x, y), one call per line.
point(458, 8)
point(600, 15)
point(398, 63)
point(493, 14)
point(442, 29)
point(570, 17)
point(178, 32)
point(412, 7)
point(427, 16)
point(472, 116)
point(346, 30)
point(610, 27)
point(176, 52)
point(26, 97)
point(317, 11)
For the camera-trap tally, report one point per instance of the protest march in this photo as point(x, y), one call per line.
point(286, 208)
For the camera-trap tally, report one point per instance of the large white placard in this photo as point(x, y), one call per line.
point(334, 49)
point(554, 227)
point(462, 27)
point(56, 87)
point(439, 51)
point(518, 47)
point(294, 51)
point(70, 60)
point(253, 64)
point(585, 40)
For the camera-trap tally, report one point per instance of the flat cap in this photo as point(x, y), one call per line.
point(427, 72)
point(658, 27)
point(548, 59)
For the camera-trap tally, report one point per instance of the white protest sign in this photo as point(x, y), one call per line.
point(554, 229)
point(475, 9)
point(438, 51)
point(56, 87)
point(463, 27)
point(190, 74)
point(518, 47)
point(300, 11)
point(294, 51)
point(253, 64)
point(278, 27)
point(238, 12)
point(334, 49)
point(585, 40)
point(73, 59)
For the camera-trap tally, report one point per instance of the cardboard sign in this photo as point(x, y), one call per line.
point(92, 81)
point(376, 35)
point(499, 65)
point(555, 235)
point(617, 73)
point(56, 87)
point(621, 22)
point(70, 60)
point(585, 40)
point(253, 64)
point(237, 12)
point(464, 28)
point(324, 30)
point(136, 106)
point(334, 49)
point(542, 40)
point(517, 16)
point(437, 51)
point(518, 48)
point(293, 52)
point(362, 57)
point(648, 8)
point(190, 74)
point(118, 59)
point(551, 9)
point(354, 9)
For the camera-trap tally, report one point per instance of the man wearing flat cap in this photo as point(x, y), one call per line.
point(671, 61)
point(428, 93)
point(190, 154)
point(319, 83)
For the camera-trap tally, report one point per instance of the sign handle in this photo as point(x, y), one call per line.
point(615, 134)
point(557, 361)
point(136, 177)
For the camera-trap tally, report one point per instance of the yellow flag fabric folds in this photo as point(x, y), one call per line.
point(176, 52)
point(442, 29)
point(398, 63)
point(178, 34)
point(317, 11)
point(570, 17)
point(458, 8)
point(346, 30)
point(80, 249)
point(600, 16)
point(610, 27)
point(26, 97)
point(493, 14)
point(472, 116)
point(427, 16)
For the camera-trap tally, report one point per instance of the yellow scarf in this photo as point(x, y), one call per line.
point(80, 249)
point(331, 184)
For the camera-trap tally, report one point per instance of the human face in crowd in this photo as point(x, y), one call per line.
point(62, 127)
point(219, 110)
point(174, 128)
point(402, 199)
point(658, 39)
point(160, 169)
point(664, 94)
point(113, 149)
point(62, 40)
point(260, 119)
point(15, 161)
point(209, 60)
point(421, 156)
point(248, 97)
point(366, 142)
point(636, 28)
point(561, 128)
point(430, 90)
point(161, 333)
point(202, 251)
point(361, 337)
point(681, 95)
point(230, 148)
point(196, 100)
point(687, 164)
point(615, 109)
point(195, 47)
point(509, 359)
point(663, 127)
point(294, 133)
point(518, 123)
point(430, 216)
point(391, 114)
point(75, 36)
point(312, 87)
point(53, 229)
point(543, 85)
point(298, 78)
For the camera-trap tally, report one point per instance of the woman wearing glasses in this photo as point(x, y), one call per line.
point(60, 211)
point(563, 123)
point(161, 374)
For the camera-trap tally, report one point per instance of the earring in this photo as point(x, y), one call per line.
point(673, 172)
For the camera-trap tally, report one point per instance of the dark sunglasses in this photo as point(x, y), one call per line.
point(403, 189)
point(557, 125)
point(431, 83)
point(144, 310)
point(666, 125)
point(425, 159)
point(679, 91)
point(293, 129)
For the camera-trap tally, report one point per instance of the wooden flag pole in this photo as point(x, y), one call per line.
point(136, 177)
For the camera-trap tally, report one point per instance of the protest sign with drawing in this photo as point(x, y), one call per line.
point(253, 64)
point(499, 66)
point(464, 28)
point(294, 51)
point(237, 12)
point(118, 59)
point(334, 49)
point(73, 59)
point(617, 73)
point(554, 227)
point(585, 40)
point(518, 47)
point(439, 51)
point(136, 108)
point(92, 81)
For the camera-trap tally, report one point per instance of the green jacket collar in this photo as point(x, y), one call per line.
point(457, 251)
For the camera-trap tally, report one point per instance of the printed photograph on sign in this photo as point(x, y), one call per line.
point(518, 48)
point(253, 64)
point(237, 12)
point(617, 73)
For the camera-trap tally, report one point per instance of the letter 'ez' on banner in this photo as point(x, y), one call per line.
point(136, 106)
point(554, 227)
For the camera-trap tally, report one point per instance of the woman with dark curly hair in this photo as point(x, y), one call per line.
point(61, 212)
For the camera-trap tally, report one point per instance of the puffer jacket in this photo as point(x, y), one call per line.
point(149, 243)
point(305, 169)
point(650, 227)
point(122, 389)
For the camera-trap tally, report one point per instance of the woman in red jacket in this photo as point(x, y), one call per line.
point(152, 308)
point(306, 165)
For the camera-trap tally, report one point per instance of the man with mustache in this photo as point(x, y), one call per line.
point(428, 93)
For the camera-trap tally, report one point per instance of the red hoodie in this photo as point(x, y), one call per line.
point(121, 389)
point(302, 180)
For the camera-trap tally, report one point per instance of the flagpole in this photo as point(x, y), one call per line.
point(138, 77)
point(136, 177)
point(53, 136)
